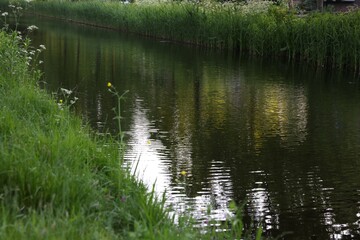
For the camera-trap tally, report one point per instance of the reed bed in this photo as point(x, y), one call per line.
point(255, 28)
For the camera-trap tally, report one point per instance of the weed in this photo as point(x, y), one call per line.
point(117, 111)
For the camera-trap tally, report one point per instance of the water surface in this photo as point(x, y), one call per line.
point(210, 127)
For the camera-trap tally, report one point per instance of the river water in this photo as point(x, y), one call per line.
point(211, 128)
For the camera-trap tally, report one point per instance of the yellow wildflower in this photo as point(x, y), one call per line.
point(60, 101)
point(183, 172)
point(109, 84)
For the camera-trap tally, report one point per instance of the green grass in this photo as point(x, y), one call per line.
point(61, 180)
point(263, 29)
point(58, 179)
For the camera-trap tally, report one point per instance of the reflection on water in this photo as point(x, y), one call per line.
point(209, 128)
point(145, 156)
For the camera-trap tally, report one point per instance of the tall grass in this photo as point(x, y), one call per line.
point(58, 179)
point(254, 28)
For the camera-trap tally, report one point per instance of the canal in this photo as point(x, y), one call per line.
point(209, 128)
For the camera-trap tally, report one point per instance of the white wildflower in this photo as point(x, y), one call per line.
point(66, 91)
point(4, 14)
point(19, 8)
point(32, 28)
point(42, 47)
point(40, 62)
point(28, 1)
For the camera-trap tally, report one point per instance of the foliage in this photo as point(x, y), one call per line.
point(307, 5)
point(256, 27)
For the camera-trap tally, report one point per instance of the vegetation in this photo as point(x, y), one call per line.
point(59, 179)
point(257, 28)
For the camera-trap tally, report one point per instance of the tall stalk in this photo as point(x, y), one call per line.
point(118, 118)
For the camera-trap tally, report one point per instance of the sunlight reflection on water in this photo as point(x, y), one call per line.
point(152, 162)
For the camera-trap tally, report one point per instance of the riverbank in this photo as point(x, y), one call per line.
point(59, 179)
point(260, 28)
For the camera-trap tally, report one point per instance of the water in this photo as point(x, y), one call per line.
point(210, 128)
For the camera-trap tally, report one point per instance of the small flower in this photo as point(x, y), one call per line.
point(60, 101)
point(148, 142)
point(42, 47)
point(183, 172)
point(40, 62)
point(28, 1)
point(109, 84)
point(66, 91)
point(4, 14)
point(32, 28)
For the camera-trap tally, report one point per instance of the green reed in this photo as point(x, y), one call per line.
point(266, 30)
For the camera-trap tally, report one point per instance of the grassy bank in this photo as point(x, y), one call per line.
point(263, 29)
point(61, 180)
point(58, 179)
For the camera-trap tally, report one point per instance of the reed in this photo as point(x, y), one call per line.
point(255, 28)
